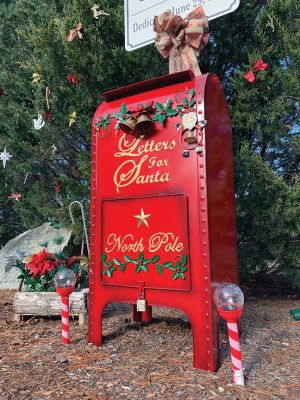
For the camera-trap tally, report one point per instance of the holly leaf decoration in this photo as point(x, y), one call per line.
point(167, 264)
point(111, 271)
point(159, 107)
point(159, 269)
point(122, 267)
point(123, 108)
point(103, 121)
point(192, 93)
point(164, 111)
point(159, 118)
point(155, 259)
point(142, 264)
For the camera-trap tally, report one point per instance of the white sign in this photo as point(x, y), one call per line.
point(139, 15)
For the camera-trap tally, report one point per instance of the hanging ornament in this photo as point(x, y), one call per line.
point(271, 23)
point(47, 94)
point(15, 196)
point(53, 150)
point(75, 32)
point(25, 179)
point(72, 118)
point(4, 156)
point(189, 119)
point(56, 186)
point(47, 116)
point(83, 222)
point(96, 12)
point(258, 66)
point(72, 78)
point(36, 77)
point(1, 91)
point(39, 122)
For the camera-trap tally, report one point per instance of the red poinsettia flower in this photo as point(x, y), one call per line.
point(41, 263)
point(1, 91)
point(72, 78)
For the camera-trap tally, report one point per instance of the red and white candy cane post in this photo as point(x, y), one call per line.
point(229, 300)
point(64, 282)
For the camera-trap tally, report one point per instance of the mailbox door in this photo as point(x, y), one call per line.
point(146, 239)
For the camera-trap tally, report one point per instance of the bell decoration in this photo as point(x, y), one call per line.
point(190, 138)
point(128, 126)
point(144, 125)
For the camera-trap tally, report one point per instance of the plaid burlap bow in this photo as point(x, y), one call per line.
point(181, 39)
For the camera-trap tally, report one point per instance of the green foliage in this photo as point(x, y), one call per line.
point(265, 114)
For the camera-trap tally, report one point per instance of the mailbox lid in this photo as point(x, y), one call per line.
point(146, 240)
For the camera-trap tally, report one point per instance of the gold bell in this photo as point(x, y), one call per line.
point(144, 125)
point(190, 139)
point(128, 126)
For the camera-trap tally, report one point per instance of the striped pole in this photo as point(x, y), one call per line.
point(236, 354)
point(65, 321)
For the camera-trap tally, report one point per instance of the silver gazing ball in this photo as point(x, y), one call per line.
point(64, 278)
point(228, 296)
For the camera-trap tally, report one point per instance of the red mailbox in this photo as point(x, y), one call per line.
point(162, 204)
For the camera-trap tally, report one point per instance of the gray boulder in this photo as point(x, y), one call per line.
point(27, 244)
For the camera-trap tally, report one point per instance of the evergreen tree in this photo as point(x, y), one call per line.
point(33, 40)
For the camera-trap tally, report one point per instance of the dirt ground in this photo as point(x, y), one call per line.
point(153, 361)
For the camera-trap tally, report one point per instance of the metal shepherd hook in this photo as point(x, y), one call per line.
point(83, 222)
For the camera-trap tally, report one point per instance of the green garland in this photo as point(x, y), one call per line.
point(142, 264)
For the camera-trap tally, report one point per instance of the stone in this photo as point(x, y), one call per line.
point(26, 244)
point(60, 358)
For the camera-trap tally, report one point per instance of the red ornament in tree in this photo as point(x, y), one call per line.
point(72, 78)
point(56, 187)
point(258, 66)
point(47, 116)
point(1, 91)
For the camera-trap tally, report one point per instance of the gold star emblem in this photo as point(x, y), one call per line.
point(142, 218)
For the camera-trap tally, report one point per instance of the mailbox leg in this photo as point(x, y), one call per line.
point(95, 326)
point(202, 345)
point(136, 315)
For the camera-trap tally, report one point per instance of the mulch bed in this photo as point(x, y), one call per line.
point(152, 361)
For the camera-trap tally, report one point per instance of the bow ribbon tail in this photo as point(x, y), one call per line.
point(175, 62)
point(189, 60)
